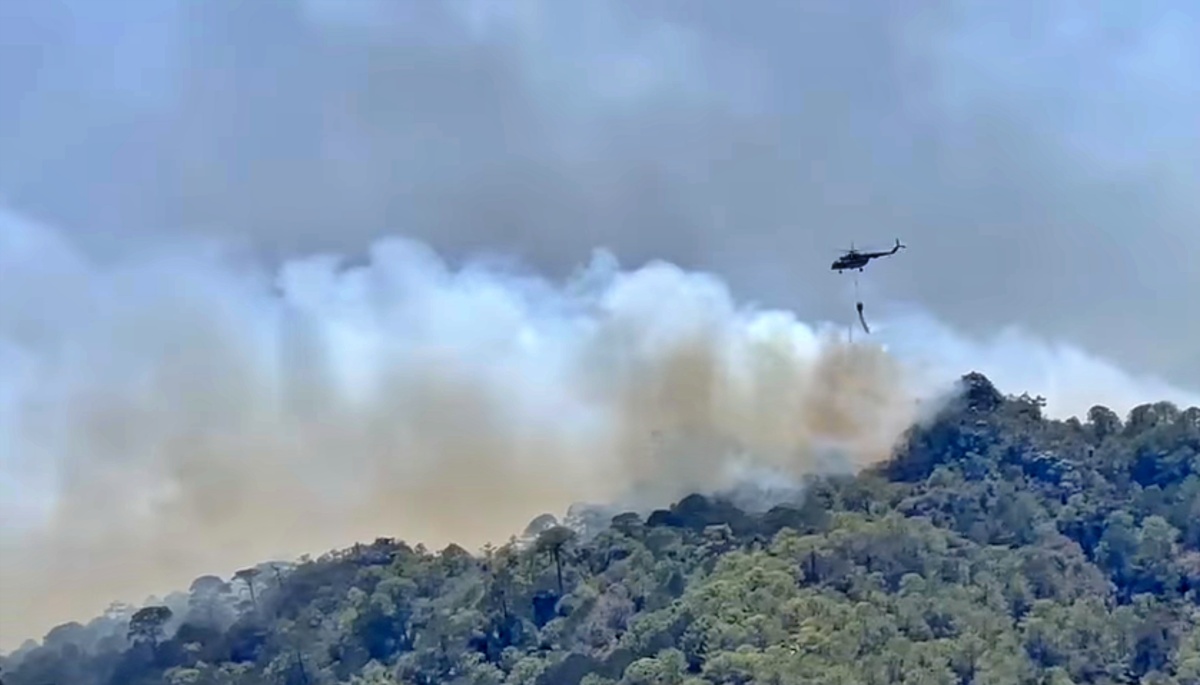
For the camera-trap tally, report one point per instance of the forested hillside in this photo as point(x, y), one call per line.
point(997, 547)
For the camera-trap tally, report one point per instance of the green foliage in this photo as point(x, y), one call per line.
point(996, 548)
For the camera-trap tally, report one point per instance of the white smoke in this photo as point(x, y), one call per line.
point(181, 411)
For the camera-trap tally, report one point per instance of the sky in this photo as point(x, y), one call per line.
point(287, 274)
point(1039, 157)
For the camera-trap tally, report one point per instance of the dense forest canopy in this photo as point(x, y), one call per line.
point(996, 547)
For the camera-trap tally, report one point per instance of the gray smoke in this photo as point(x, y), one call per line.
point(1039, 155)
point(181, 411)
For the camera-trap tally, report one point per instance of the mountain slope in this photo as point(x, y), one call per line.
point(996, 547)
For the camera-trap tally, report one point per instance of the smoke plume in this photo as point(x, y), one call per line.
point(181, 410)
point(1039, 155)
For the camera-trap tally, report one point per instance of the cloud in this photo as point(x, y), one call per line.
point(1038, 156)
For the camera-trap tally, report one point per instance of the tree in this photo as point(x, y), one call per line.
point(554, 540)
point(146, 625)
point(1104, 422)
point(207, 597)
point(247, 576)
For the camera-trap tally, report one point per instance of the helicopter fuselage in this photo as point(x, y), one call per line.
point(853, 259)
point(857, 261)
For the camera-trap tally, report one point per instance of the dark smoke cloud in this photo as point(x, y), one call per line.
point(1039, 155)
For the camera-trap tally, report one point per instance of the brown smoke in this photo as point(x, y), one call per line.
point(172, 415)
point(209, 429)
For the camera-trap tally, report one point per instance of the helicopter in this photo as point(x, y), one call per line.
point(853, 259)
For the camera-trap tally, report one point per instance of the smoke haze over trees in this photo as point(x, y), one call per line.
point(997, 546)
point(180, 411)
